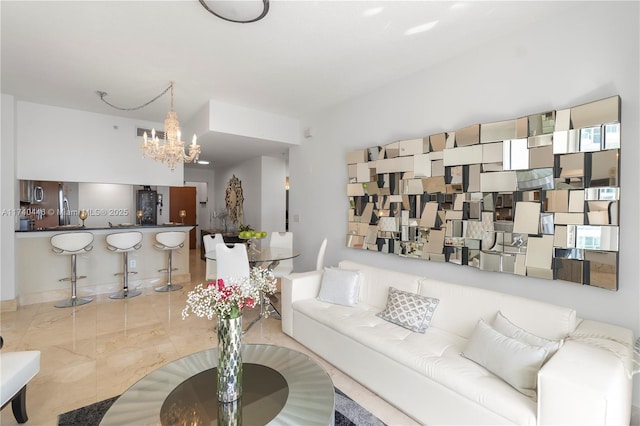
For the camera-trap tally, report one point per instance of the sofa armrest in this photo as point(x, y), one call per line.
point(588, 381)
point(297, 286)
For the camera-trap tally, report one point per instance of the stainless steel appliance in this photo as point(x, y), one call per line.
point(27, 224)
point(30, 193)
point(64, 212)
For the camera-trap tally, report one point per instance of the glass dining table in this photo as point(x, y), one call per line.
point(268, 257)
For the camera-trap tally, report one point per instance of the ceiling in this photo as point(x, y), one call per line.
point(302, 57)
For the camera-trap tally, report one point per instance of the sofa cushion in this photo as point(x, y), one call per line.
point(502, 325)
point(543, 319)
point(339, 286)
point(409, 310)
point(435, 354)
point(375, 285)
point(516, 362)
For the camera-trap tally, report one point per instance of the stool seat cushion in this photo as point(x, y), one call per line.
point(124, 241)
point(16, 370)
point(72, 242)
point(170, 240)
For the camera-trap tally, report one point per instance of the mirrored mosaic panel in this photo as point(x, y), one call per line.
point(533, 196)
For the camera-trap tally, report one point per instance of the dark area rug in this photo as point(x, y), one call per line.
point(348, 413)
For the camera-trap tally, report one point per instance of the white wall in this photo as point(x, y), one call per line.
point(8, 199)
point(590, 52)
point(273, 191)
point(107, 203)
point(263, 189)
point(239, 120)
point(204, 212)
point(68, 145)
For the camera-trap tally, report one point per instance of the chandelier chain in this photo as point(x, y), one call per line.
point(164, 92)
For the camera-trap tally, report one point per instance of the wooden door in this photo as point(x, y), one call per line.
point(183, 198)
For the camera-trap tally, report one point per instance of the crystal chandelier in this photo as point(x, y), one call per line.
point(171, 149)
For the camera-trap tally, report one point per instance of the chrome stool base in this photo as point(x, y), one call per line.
point(72, 243)
point(125, 294)
point(168, 287)
point(169, 241)
point(124, 243)
point(71, 302)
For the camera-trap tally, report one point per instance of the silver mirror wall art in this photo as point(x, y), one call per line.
point(533, 196)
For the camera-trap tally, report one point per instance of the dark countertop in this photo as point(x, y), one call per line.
point(101, 228)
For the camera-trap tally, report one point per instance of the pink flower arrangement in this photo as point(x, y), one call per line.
point(228, 299)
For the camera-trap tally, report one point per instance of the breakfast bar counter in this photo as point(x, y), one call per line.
point(39, 269)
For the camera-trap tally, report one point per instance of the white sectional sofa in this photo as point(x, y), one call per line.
point(587, 381)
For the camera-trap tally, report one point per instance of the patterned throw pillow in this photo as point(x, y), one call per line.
point(409, 310)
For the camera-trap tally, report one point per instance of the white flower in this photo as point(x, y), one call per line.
point(263, 279)
point(228, 299)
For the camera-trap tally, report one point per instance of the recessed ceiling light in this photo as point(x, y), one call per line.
point(372, 11)
point(421, 28)
point(203, 162)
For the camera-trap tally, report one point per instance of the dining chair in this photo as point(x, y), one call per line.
point(320, 260)
point(210, 242)
point(233, 261)
point(282, 240)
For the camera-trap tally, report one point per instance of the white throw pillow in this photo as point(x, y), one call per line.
point(339, 286)
point(515, 362)
point(409, 310)
point(509, 329)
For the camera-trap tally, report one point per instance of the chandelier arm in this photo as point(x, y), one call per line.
point(171, 150)
point(103, 94)
point(265, 10)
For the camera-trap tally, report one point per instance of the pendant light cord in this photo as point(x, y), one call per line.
point(103, 94)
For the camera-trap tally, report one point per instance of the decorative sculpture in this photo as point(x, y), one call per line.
point(234, 200)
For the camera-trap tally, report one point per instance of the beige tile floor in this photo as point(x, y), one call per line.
point(98, 350)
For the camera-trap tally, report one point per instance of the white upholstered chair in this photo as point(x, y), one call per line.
point(210, 242)
point(282, 240)
point(16, 370)
point(320, 260)
point(233, 262)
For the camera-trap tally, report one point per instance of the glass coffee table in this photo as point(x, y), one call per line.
point(280, 386)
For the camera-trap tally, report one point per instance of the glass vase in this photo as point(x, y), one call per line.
point(230, 413)
point(229, 382)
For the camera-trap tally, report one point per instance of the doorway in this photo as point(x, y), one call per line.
point(183, 198)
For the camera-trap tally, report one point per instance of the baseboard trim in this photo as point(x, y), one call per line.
point(94, 290)
point(8, 305)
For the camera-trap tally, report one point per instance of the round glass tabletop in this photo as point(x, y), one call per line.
point(265, 254)
point(194, 401)
point(284, 386)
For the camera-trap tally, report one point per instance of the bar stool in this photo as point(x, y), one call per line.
point(72, 243)
point(169, 241)
point(124, 242)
